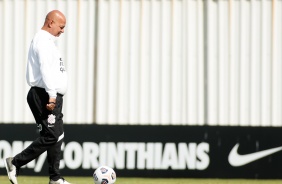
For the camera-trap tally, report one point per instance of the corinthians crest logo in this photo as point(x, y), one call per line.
point(51, 120)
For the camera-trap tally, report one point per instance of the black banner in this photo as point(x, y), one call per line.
point(156, 151)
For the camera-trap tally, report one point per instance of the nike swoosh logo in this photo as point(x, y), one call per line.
point(237, 160)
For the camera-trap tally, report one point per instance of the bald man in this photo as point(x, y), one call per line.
point(46, 74)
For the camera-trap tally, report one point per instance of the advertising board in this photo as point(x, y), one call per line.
point(156, 151)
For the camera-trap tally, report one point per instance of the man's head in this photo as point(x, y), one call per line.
point(55, 22)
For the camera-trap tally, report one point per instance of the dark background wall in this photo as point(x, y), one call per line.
point(156, 151)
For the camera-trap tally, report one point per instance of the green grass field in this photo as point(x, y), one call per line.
point(89, 180)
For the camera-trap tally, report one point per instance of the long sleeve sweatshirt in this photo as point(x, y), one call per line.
point(45, 66)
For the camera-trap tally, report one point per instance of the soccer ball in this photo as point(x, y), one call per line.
point(104, 175)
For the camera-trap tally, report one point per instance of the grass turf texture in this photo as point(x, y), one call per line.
point(89, 180)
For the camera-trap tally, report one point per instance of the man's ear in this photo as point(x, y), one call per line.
point(50, 23)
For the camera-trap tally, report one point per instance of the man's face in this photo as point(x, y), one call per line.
point(58, 26)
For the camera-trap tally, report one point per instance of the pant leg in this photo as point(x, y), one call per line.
point(53, 158)
point(50, 132)
point(54, 152)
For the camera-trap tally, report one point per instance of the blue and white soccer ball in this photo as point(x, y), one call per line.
point(104, 175)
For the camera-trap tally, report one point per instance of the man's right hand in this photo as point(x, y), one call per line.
point(52, 104)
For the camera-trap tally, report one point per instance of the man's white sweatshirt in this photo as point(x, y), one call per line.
point(45, 66)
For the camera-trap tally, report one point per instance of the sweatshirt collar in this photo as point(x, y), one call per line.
point(48, 35)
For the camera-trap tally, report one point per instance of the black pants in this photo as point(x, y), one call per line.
point(51, 132)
